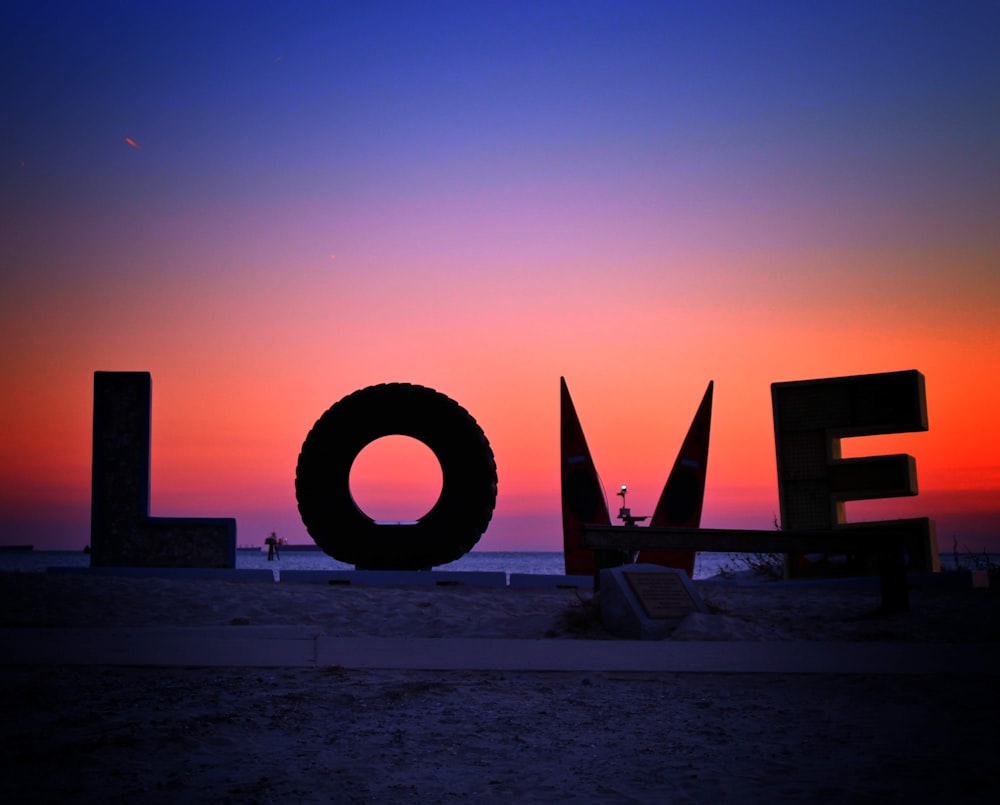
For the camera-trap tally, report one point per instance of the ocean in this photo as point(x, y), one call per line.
point(535, 562)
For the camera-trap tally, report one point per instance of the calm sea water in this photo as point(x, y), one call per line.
point(536, 562)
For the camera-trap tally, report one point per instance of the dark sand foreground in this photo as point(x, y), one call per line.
point(112, 734)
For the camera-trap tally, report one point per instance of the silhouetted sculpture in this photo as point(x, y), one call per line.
point(583, 502)
point(811, 417)
point(121, 531)
point(468, 479)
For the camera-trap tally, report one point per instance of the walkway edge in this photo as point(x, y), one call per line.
point(278, 646)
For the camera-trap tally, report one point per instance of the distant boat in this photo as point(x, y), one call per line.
point(248, 549)
point(17, 548)
point(286, 547)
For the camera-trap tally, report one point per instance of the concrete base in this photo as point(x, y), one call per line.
point(217, 573)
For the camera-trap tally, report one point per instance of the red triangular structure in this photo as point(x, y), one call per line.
point(684, 493)
point(583, 499)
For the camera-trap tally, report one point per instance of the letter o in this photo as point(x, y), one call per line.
point(468, 479)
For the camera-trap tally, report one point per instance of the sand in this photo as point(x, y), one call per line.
point(107, 734)
point(739, 611)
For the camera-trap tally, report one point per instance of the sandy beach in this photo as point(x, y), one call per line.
point(329, 734)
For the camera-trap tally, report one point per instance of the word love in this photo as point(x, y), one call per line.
point(810, 419)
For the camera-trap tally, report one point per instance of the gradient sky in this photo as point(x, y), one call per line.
point(271, 205)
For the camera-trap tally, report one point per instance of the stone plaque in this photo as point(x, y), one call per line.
point(662, 595)
point(646, 601)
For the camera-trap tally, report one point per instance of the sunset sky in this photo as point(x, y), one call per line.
point(270, 205)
